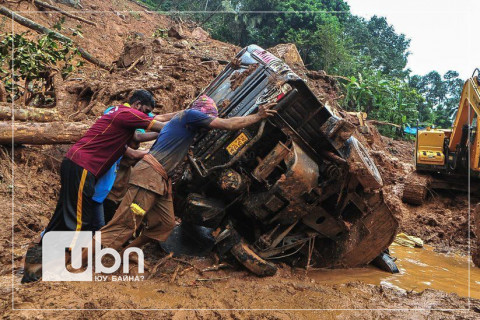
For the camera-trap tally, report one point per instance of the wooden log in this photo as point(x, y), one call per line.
point(376, 122)
point(27, 114)
point(3, 93)
point(49, 6)
point(87, 56)
point(41, 29)
point(41, 133)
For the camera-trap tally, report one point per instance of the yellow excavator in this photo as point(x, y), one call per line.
point(448, 158)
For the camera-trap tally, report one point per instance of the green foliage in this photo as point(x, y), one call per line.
point(28, 62)
point(330, 38)
point(442, 96)
point(160, 33)
point(378, 46)
point(386, 99)
point(58, 25)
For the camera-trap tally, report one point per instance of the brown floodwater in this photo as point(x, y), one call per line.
point(420, 269)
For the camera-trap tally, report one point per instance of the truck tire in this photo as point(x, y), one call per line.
point(363, 167)
point(250, 260)
point(415, 188)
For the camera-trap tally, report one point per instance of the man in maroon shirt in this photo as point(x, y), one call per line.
point(88, 159)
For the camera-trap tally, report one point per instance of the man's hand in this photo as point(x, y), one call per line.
point(265, 111)
point(236, 123)
point(135, 154)
point(161, 120)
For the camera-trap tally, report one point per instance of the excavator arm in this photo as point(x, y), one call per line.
point(468, 110)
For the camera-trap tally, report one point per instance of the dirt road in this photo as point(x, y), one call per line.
point(231, 288)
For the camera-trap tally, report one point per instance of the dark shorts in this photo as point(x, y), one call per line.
point(109, 208)
point(74, 206)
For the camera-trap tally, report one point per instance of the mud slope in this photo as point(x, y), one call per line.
point(442, 220)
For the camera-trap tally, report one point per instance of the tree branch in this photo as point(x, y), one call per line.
point(41, 29)
point(27, 114)
point(48, 6)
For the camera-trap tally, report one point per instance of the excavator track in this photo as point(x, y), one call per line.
point(415, 188)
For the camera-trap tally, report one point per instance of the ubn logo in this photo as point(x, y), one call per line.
point(56, 243)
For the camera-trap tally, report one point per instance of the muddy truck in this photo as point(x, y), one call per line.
point(297, 187)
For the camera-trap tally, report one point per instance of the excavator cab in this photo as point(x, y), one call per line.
point(430, 150)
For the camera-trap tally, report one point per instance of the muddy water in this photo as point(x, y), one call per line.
point(419, 269)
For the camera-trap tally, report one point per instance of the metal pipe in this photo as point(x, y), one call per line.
point(195, 165)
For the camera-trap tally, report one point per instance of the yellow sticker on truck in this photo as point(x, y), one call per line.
point(236, 144)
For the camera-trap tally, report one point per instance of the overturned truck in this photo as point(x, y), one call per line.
point(296, 187)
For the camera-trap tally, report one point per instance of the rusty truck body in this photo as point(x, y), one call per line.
point(296, 187)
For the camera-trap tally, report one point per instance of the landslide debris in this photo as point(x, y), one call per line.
point(176, 68)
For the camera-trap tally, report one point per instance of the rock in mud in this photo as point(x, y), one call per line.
point(182, 44)
point(200, 34)
point(289, 53)
point(135, 51)
point(159, 42)
point(176, 32)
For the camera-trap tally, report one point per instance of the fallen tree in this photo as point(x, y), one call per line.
point(27, 114)
point(41, 133)
point(3, 92)
point(41, 29)
point(49, 6)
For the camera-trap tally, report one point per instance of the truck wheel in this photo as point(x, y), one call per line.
point(415, 188)
point(252, 261)
point(363, 166)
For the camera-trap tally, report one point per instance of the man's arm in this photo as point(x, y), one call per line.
point(236, 123)
point(135, 154)
point(134, 119)
point(143, 137)
point(157, 126)
point(165, 117)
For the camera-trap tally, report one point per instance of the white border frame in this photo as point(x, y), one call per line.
point(216, 309)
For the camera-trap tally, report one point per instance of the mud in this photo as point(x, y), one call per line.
point(476, 223)
point(233, 289)
point(420, 269)
point(238, 77)
point(176, 70)
point(442, 220)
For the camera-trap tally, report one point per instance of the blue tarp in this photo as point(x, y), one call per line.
point(413, 130)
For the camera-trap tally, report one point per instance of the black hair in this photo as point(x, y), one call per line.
point(144, 96)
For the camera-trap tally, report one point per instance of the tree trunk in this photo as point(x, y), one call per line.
point(49, 6)
point(3, 93)
point(27, 114)
point(39, 28)
point(41, 133)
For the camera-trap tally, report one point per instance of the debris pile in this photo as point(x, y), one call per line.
point(176, 64)
point(180, 61)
